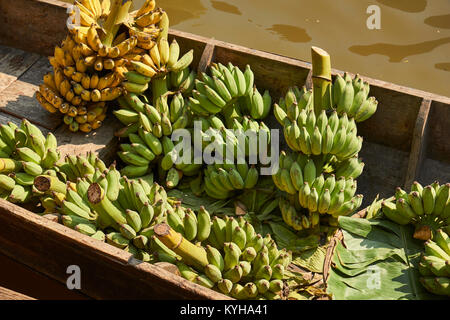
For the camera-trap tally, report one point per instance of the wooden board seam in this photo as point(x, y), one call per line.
point(207, 57)
point(419, 143)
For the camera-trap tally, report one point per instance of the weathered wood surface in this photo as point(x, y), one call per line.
point(100, 141)
point(35, 26)
point(19, 277)
point(439, 135)
point(6, 294)
point(384, 170)
point(18, 99)
point(106, 272)
point(433, 170)
point(419, 143)
point(13, 63)
point(206, 58)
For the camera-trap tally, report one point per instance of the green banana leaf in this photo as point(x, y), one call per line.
point(377, 260)
point(190, 200)
point(285, 238)
point(312, 259)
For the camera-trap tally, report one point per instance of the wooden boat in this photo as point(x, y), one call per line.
point(407, 139)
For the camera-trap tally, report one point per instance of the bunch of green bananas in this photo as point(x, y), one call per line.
point(434, 265)
point(237, 136)
point(220, 90)
point(428, 208)
point(352, 97)
point(160, 120)
point(311, 184)
point(26, 153)
point(295, 169)
point(309, 134)
point(161, 61)
point(109, 207)
point(71, 203)
point(52, 184)
point(148, 129)
point(239, 262)
point(73, 167)
point(253, 106)
point(172, 168)
point(292, 103)
point(298, 219)
point(222, 180)
point(130, 207)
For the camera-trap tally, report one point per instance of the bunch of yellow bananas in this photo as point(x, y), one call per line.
point(164, 68)
point(434, 265)
point(428, 208)
point(90, 65)
point(148, 24)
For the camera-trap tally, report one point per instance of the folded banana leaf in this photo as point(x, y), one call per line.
point(377, 260)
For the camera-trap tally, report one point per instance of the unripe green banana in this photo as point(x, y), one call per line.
point(190, 225)
point(225, 286)
point(234, 274)
point(215, 258)
point(232, 254)
point(239, 237)
point(213, 273)
point(428, 199)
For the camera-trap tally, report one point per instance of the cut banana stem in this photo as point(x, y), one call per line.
point(193, 255)
point(321, 77)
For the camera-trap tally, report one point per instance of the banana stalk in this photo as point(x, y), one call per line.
point(193, 255)
point(118, 15)
point(159, 87)
point(321, 77)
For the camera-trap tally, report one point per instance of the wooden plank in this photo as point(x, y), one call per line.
point(419, 144)
point(33, 25)
point(13, 63)
point(309, 82)
point(384, 170)
point(433, 170)
point(439, 135)
point(5, 118)
point(19, 99)
point(207, 57)
point(20, 278)
point(393, 123)
point(6, 294)
point(106, 272)
point(101, 141)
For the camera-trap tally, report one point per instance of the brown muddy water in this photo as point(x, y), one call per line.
point(412, 47)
